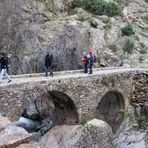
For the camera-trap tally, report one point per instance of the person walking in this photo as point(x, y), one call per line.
point(91, 60)
point(4, 67)
point(85, 62)
point(48, 64)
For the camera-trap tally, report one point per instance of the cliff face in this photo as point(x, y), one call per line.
point(55, 26)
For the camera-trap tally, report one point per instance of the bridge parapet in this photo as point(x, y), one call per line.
point(85, 91)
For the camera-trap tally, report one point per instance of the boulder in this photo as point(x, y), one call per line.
point(13, 136)
point(31, 112)
point(4, 122)
point(28, 146)
point(55, 135)
point(46, 125)
point(27, 124)
point(131, 139)
point(94, 134)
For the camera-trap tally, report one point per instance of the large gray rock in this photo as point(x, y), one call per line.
point(4, 122)
point(95, 134)
point(132, 139)
point(28, 124)
point(12, 136)
point(28, 146)
point(54, 136)
point(31, 112)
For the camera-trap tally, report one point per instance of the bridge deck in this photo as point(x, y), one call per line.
point(26, 78)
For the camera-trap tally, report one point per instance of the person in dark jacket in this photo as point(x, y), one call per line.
point(4, 67)
point(90, 62)
point(48, 64)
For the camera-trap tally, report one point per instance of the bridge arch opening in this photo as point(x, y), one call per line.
point(111, 109)
point(53, 108)
point(65, 109)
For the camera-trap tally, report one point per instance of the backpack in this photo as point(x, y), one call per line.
point(48, 60)
point(95, 59)
point(85, 60)
point(92, 59)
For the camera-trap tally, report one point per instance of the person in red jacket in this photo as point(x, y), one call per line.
point(85, 62)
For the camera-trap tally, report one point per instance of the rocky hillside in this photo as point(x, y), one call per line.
point(30, 28)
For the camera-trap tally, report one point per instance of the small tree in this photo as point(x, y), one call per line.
point(113, 9)
point(128, 30)
point(129, 46)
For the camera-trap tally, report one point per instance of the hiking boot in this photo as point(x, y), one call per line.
point(51, 74)
point(9, 81)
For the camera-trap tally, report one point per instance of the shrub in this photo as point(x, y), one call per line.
point(113, 9)
point(100, 7)
point(128, 30)
point(77, 3)
point(84, 120)
point(113, 47)
point(129, 46)
point(95, 6)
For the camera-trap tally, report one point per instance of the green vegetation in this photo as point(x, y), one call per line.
point(129, 116)
point(100, 7)
point(113, 47)
point(82, 17)
point(77, 3)
point(129, 46)
point(128, 30)
point(84, 120)
point(63, 87)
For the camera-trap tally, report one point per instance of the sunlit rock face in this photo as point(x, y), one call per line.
point(67, 32)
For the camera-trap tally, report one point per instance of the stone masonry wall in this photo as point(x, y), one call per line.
point(86, 92)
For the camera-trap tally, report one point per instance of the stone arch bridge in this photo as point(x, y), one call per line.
point(76, 96)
